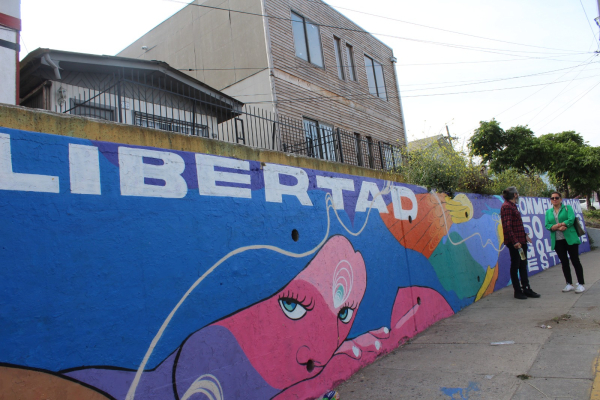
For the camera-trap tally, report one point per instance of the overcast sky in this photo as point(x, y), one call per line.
point(552, 41)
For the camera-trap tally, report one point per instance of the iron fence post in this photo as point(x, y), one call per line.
point(340, 145)
point(119, 100)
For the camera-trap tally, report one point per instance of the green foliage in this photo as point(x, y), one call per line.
point(527, 185)
point(516, 148)
point(436, 167)
point(571, 163)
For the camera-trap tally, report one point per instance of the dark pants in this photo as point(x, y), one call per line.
point(518, 267)
point(562, 248)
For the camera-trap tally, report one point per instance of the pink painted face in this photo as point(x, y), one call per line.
point(292, 335)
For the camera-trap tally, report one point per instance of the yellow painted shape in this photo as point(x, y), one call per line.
point(489, 274)
point(596, 385)
point(460, 208)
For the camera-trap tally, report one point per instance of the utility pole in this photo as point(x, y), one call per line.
point(597, 19)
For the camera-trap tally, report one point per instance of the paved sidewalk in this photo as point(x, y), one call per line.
point(453, 359)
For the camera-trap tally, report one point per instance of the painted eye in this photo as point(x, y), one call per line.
point(345, 314)
point(292, 308)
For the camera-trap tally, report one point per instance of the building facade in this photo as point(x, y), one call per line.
point(10, 28)
point(297, 59)
point(136, 92)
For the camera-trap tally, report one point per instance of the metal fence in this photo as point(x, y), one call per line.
point(161, 102)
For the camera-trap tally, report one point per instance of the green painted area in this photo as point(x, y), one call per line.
point(456, 269)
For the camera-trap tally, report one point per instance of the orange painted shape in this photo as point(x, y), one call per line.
point(425, 232)
point(25, 384)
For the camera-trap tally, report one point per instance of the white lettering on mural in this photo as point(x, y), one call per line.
point(274, 189)
point(337, 185)
point(208, 177)
point(84, 169)
point(522, 206)
point(134, 172)
point(398, 192)
point(10, 180)
point(363, 202)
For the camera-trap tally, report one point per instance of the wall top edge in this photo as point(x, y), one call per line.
point(22, 118)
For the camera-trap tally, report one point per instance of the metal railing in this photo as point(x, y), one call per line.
point(160, 102)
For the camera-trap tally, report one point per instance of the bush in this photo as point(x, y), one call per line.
point(532, 186)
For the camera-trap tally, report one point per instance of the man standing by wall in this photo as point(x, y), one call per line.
point(516, 241)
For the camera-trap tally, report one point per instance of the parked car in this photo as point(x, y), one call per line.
point(583, 203)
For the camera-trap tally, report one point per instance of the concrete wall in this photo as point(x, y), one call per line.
point(136, 264)
point(10, 26)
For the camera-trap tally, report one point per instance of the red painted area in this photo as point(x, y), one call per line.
point(10, 22)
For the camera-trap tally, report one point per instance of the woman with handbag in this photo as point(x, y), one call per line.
point(560, 220)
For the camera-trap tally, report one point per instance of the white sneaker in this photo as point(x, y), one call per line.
point(579, 289)
point(568, 288)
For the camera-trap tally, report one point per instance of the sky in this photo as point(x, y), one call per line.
point(532, 62)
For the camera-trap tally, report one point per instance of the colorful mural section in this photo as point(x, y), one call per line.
point(143, 273)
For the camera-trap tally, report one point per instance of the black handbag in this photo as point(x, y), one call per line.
point(578, 228)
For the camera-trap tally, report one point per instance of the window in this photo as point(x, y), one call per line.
point(319, 140)
point(337, 46)
point(307, 40)
point(94, 110)
point(169, 124)
point(350, 58)
point(375, 78)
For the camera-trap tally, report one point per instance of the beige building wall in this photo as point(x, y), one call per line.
point(214, 46)
point(232, 52)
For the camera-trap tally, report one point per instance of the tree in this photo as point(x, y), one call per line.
point(572, 164)
point(515, 148)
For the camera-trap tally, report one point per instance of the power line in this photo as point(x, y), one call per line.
point(354, 97)
point(537, 91)
point(490, 80)
point(387, 67)
point(465, 47)
point(559, 93)
point(582, 96)
point(439, 29)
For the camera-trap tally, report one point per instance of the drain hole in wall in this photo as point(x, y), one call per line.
point(410, 219)
point(478, 278)
point(418, 300)
point(295, 235)
point(310, 365)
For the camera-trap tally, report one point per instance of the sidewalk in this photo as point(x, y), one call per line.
point(453, 359)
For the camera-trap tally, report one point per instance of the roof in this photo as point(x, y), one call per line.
point(424, 143)
point(84, 62)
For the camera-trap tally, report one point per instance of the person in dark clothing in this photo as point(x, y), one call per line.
point(516, 241)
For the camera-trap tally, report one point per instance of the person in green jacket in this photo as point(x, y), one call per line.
point(559, 221)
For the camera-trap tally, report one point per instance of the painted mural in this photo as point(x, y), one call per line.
point(142, 273)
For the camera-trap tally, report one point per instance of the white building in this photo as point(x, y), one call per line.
point(10, 26)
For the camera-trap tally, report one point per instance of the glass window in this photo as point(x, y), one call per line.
point(320, 142)
point(307, 40)
point(375, 78)
point(337, 45)
point(350, 58)
point(379, 79)
point(299, 37)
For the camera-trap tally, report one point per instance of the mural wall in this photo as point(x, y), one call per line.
point(141, 273)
